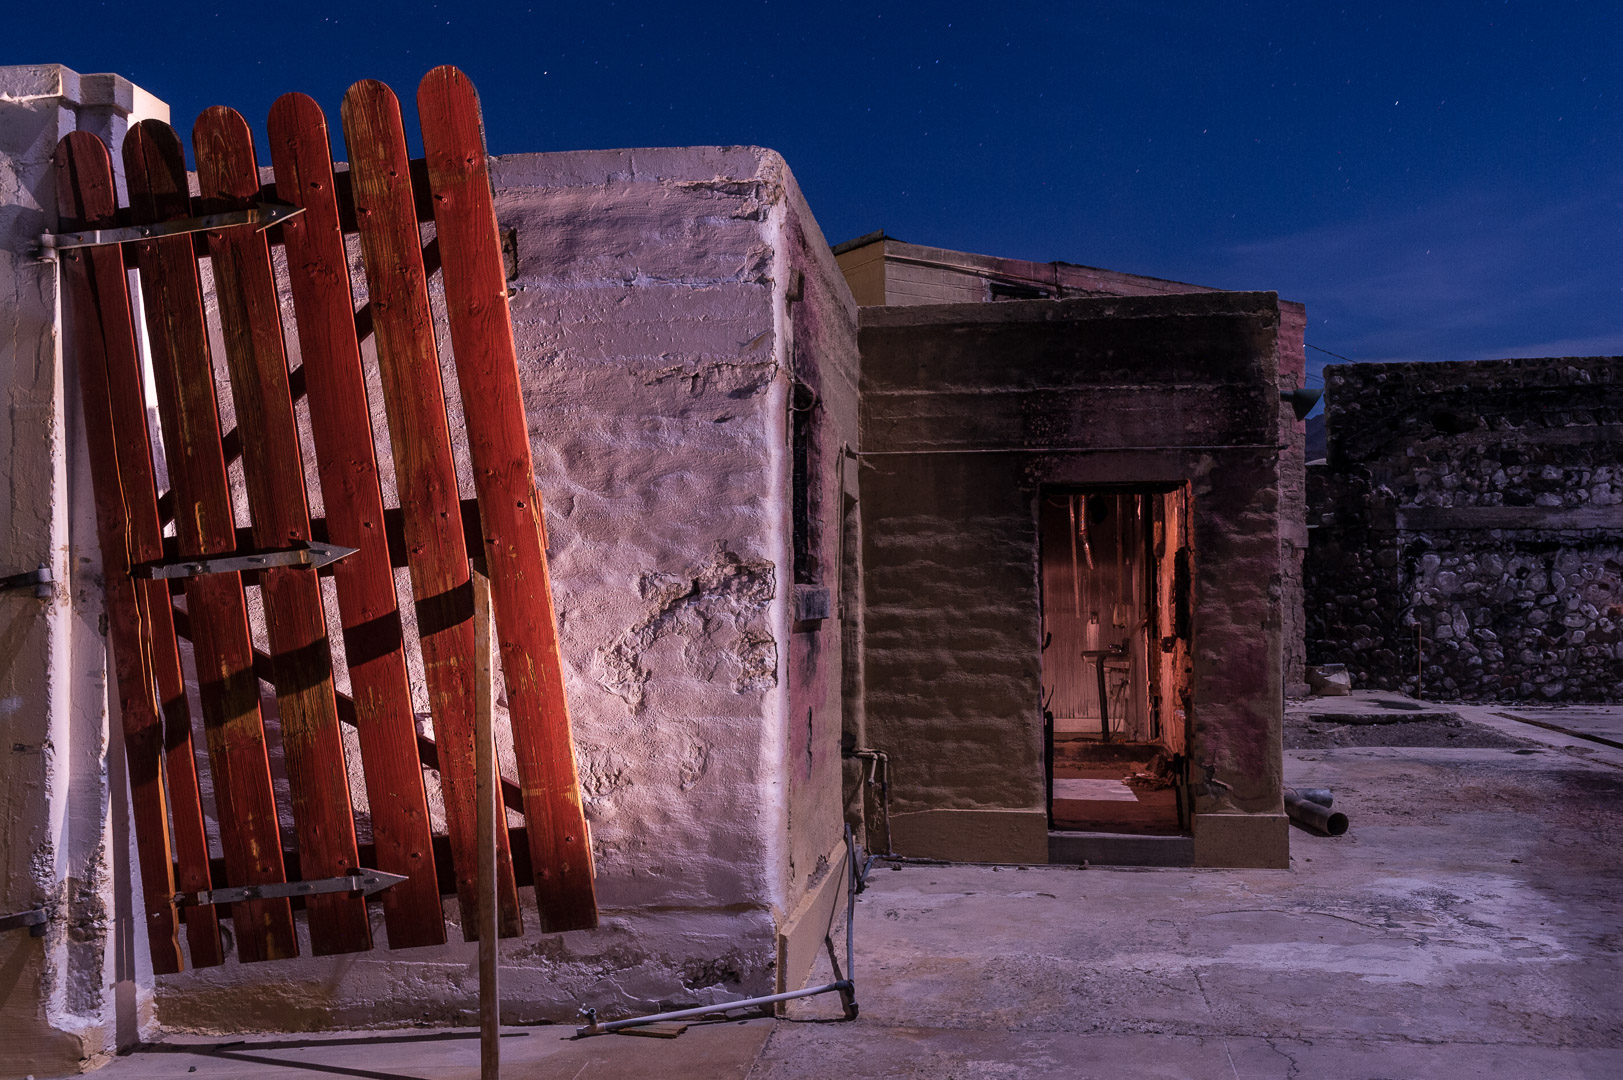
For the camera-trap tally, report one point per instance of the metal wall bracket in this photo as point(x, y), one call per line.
point(313, 555)
point(262, 216)
point(40, 581)
point(35, 921)
point(358, 882)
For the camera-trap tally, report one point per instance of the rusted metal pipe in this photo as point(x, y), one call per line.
point(1313, 815)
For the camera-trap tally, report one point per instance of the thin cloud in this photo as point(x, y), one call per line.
point(1489, 274)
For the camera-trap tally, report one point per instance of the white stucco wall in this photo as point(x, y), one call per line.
point(657, 333)
point(74, 995)
point(655, 329)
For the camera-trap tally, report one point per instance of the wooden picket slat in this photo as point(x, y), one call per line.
point(121, 466)
point(251, 318)
point(341, 425)
point(100, 336)
point(155, 171)
point(425, 475)
point(509, 503)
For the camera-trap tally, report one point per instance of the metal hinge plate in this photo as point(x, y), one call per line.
point(262, 216)
point(39, 580)
point(362, 882)
point(312, 555)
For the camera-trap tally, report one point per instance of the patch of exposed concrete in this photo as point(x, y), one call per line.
point(721, 611)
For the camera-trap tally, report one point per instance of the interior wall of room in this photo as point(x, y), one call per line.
point(1094, 598)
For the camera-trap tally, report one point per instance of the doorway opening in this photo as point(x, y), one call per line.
point(1117, 572)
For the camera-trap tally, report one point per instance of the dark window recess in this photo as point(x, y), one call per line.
point(1009, 290)
point(807, 527)
point(1181, 600)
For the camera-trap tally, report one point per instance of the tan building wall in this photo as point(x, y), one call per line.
point(886, 271)
point(969, 411)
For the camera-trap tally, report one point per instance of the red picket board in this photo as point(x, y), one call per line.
point(251, 318)
point(509, 503)
point(425, 474)
point(155, 172)
point(100, 336)
point(341, 424)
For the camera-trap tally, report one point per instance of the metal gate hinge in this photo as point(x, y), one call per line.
point(35, 921)
point(40, 580)
point(312, 555)
point(262, 216)
point(358, 881)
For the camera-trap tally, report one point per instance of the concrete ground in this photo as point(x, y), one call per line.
point(1469, 924)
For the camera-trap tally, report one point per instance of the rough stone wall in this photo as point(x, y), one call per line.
point(1481, 503)
point(662, 300)
point(968, 410)
point(70, 998)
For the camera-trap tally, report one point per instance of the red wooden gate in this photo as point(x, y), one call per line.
point(383, 197)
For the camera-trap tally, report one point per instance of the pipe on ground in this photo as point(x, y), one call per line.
point(1314, 815)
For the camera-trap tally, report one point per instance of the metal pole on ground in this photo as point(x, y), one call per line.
point(489, 820)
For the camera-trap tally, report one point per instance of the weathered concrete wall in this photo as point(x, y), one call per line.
point(820, 327)
point(73, 996)
point(967, 411)
point(1483, 504)
point(664, 303)
point(886, 271)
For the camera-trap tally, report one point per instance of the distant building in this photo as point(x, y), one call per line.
point(1467, 529)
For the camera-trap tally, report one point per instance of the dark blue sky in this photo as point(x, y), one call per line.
point(1434, 181)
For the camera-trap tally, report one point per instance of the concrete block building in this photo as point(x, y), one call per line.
point(1082, 528)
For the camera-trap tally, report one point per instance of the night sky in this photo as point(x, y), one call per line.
point(1435, 181)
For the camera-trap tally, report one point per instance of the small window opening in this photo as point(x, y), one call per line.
point(804, 411)
point(1009, 290)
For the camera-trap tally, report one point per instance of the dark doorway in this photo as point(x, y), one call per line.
point(1115, 592)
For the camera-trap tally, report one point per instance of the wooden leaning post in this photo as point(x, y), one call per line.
point(490, 810)
point(462, 617)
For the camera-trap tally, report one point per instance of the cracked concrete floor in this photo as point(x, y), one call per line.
point(1469, 924)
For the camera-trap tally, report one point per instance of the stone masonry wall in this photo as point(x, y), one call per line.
point(1469, 529)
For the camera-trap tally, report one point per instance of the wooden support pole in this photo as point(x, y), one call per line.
point(1104, 708)
point(489, 810)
